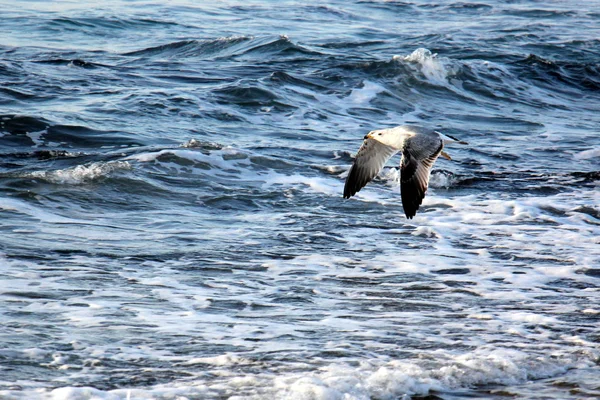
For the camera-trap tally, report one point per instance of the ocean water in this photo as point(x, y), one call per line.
point(172, 221)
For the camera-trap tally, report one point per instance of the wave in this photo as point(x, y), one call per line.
point(580, 75)
point(436, 70)
point(419, 67)
point(105, 22)
point(18, 94)
point(46, 154)
point(76, 62)
point(289, 79)
point(80, 174)
point(245, 95)
point(223, 47)
point(282, 46)
point(588, 154)
point(251, 96)
point(24, 130)
point(191, 48)
point(470, 7)
point(539, 13)
point(476, 80)
point(394, 379)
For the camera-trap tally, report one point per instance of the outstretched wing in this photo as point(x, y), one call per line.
point(418, 156)
point(370, 159)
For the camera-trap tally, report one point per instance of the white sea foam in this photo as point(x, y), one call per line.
point(436, 69)
point(373, 378)
point(36, 137)
point(441, 180)
point(80, 174)
point(588, 154)
point(490, 225)
point(362, 96)
point(223, 159)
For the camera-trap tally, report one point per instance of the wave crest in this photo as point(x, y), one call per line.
point(436, 70)
point(81, 174)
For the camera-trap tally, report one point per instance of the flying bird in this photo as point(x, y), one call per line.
point(420, 148)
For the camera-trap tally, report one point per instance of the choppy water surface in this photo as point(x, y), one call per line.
point(173, 225)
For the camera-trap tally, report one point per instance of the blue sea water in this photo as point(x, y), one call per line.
point(172, 221)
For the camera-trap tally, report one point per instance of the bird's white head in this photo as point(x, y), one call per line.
point(393, 137)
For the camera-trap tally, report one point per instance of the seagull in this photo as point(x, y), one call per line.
point(420, 148)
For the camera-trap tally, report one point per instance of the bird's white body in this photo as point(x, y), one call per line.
point(393, 137)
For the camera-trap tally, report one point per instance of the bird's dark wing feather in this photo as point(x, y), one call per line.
point(418, 156)
point(370, 159)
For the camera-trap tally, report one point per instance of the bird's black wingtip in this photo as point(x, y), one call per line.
point(456, 140)
point(410, 212)
point(349, 191)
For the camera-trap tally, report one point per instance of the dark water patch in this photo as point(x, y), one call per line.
point(378, 69)
point(21, 124)
point(70, 23)
point(469, 7)
point(389, 102)
point(220, 115)
point(567, 283)
point(273, 163)
point(245, 95)
point(46, 154)
point(517, 125)
point(457, 8)
point(71, 62)
point(298, 156)
point(539, 13)
point(82, 137)
point(498, 155)
point(592, 212)
point(239, 46)
point(452, 271)
point(153, 21)
point(395, 6)
point(169, 49)
point(366, 113)
point(330, 12)
point(53, 295)
point(250, 96)
point(586, 177)
point(523, 182)
point(13, 94)
point(105, 23)
point(352, 45)
point(584, 76)
point(20, 130)
point(593, 272)
point(11, 68)
point(192, 79)
point(282, 46)
point(287, 78)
